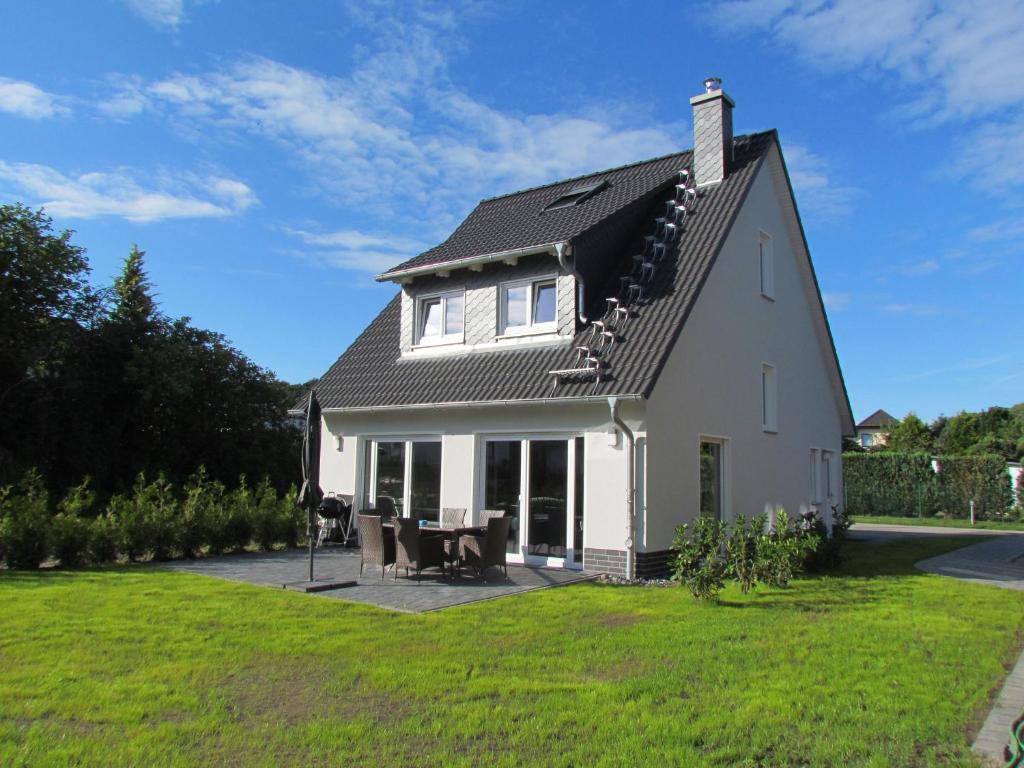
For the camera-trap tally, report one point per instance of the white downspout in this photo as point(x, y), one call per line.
point(561, 251)
point(613, 404)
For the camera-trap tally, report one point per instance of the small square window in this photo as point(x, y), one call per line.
point(528, 306)
point(440, 319)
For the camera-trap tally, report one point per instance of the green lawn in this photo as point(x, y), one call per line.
point(939, 522)
point(879, 665)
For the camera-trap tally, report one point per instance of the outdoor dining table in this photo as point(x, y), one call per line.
point(451, 535)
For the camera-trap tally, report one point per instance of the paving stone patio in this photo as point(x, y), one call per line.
point(275, 569)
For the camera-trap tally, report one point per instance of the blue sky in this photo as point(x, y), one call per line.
point(271, 158)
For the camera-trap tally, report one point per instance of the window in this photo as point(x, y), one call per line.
point(404, 476)
point(528, 306)
point(576, 195)
point(769, 399)
point(767, 262)
point(826, 471)
point(440, 319)
point(711, 479)
point(815, 479)
point(867, 440)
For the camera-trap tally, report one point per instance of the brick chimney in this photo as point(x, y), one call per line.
point(712, 133)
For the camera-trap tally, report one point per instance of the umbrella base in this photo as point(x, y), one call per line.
point(317, 585)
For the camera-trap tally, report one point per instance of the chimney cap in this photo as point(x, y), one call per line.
point(712, 84)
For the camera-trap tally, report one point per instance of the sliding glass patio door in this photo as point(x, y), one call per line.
point(539, 484)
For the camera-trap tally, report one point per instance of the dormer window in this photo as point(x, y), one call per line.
point(440, 319)
point(528, 306)
point(577, 195)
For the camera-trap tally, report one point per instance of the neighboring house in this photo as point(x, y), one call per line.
point(874, 430)
point(603, 358)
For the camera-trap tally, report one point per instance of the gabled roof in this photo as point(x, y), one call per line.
point(372, 374)
point(877, 419)
point(523, 220)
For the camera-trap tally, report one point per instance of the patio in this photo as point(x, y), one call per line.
point(275, 569)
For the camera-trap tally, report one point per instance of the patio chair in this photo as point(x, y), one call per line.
point(374, 545)
point(487, 514)
point(416, 550)
point(483, 552)
point(385, 507)
point(453, 517)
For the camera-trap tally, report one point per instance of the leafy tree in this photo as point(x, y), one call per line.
point(911, 435)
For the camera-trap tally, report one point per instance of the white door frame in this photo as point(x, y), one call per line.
point(370, 470)
point(524, 439)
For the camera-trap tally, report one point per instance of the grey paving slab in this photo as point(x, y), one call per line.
point(998, 562)
point(878, 533)
point(275, 569)
point(995, 732)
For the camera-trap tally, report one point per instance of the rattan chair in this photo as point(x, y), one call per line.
point(385, 507)
point(487, 514)
point(483, 552)
point(375, 546)
point(453, 517)
point(415, 549)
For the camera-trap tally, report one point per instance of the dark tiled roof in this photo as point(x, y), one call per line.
point(372, 374)
point(877, 419)
point(519, 220)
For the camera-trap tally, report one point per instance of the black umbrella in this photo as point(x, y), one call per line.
point(310, 494)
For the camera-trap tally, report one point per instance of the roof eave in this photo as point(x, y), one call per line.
point(442, 268)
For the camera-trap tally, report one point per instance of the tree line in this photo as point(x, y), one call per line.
point(996, 431)
point(98, 382)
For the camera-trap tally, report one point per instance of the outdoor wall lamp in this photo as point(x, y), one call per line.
point(339, 442)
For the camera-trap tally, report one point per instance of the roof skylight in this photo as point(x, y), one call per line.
point(577, 195)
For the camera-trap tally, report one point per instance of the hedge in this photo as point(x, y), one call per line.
point(905, 485)
point(155, 520)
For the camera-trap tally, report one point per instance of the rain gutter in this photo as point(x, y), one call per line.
point(485, 404)
point(613, 405)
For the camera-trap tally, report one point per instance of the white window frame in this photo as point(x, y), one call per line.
point(816, 476)
point(725, 480)
point(531, 294)
point(419, 340)
point(766, 262)
point(369, 489)
point(769, 398)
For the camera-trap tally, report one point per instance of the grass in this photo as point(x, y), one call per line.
point(878, 665)
point(940, 522)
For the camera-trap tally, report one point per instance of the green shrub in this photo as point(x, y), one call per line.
point(782, 552)
point(134, 538)
point(892, 484)
point(159, 507)
point(983, 479)
point(291, 518)
point(267, 527)
point(823, 550)
point(69, 537)
point(742, 551)
point(200, 512)
point(104, 536)
point(25, 525)
point(239, 517)
point(698, 564)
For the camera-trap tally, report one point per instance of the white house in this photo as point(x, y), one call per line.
point(604, 358)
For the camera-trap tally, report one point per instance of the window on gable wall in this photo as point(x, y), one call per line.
point(769, 399)
point(528, 306)
point(766, 254)
point(440, 319)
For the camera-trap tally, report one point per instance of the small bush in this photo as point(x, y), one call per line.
point(782, 552)
point(238, 520)
point(200, 512)
point(104, 536)
point(292, 519)
point(159, 507)
point(134, 533)
point(824, 549)
point(69, 536)
point(268, 529)
point(698, 564)
point(742, 551)
point(25, 522)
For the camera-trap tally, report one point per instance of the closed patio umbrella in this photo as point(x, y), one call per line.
point(310, 494)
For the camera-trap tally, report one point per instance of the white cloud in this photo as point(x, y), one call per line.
point(1002, 229)
point(90, 195)
point(160, 13)
point(816, 192)
point(373, 252)
point(921, 268)
point(950, 61)
point(836, 302)
point(27, 100)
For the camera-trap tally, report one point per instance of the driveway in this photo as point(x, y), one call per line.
point(275, 569)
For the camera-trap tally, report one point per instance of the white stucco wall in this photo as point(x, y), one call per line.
point(712, 382)
point(462, 431)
